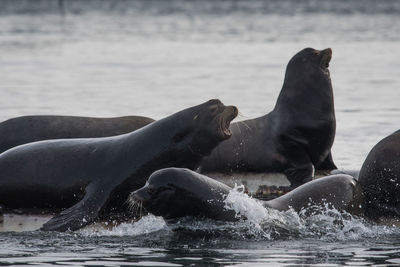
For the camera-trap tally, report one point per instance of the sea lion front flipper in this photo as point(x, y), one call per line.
point(327, 165)
point(299, 175)
point(79, 215)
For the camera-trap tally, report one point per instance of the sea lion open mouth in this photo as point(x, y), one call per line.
point(326, 58)
point(227, 115)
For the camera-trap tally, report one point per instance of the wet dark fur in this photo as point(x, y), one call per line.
point(27, 129)
point(93, 176)
point(175, 193)
point(380, 178)
point(293, 138)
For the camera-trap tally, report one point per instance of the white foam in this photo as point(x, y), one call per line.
point(319, 222)
point(261, 220)
point(145, 225)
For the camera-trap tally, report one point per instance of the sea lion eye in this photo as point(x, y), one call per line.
point(316, 52)
point(168, 188)
point(151, 191)
point(214, 109)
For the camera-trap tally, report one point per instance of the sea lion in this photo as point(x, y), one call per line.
point(293, 138)
point(91, 177)
point(379, 179)
point(173, 193)
point(27, 129)
point(340, 191)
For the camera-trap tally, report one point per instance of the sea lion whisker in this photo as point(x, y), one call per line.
point(245, 124)
point(131, 205)
point(240, 115)
point(134, 208)
point(139, 208)
point(238, 127)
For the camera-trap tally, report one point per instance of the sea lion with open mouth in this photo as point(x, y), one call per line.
point(89, 178)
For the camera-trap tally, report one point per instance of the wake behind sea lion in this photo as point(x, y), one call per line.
point(293, 138)
point(28, 129)
point(94, 176)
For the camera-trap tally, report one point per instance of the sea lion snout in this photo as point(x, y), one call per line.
point(230, 113)
point(326, 57)
point(227, 115)
point(140, 195)
point(234, 111)
point(327, 51)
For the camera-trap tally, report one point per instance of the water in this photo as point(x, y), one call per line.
point(113, 58)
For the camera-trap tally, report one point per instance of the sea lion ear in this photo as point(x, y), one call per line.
point(196, 117)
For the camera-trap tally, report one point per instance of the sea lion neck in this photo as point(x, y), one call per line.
point(305, 96)
point(160, 138)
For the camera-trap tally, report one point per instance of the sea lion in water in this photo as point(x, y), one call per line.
point(340, 191)
point(379, 179)
point(173, 193)
point(296, 136)
point(375, 195)
point(95, 175)
point(28, 129)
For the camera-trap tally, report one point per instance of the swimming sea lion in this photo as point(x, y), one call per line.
point(95, 175)
point(340, 191)
point(27, 129)
point(174, 193)
point(375, 195)
point(296, 136)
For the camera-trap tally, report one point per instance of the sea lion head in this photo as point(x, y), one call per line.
point(309, 66)
point(164, 195)
point(174, 193)
point(201, 128)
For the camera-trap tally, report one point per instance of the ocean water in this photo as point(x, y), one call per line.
point(155, 57)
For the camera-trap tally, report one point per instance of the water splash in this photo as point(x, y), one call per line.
point(260, 223)
point(145, 225)
point(321, 222)
point(330, 224)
